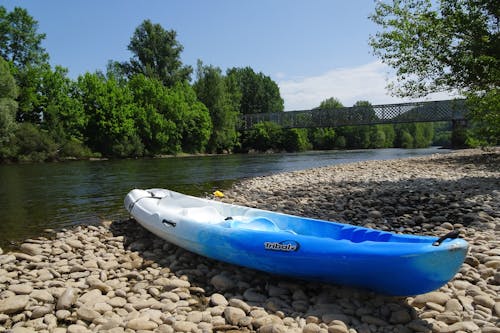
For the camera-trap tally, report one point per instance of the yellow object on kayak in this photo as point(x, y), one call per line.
point(219, 194)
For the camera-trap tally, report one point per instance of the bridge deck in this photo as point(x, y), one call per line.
point(448, 110)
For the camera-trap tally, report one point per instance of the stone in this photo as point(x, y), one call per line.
point(264, 320)
point(218, 299)
point(273, 328)
point(253, 296)
point(62, 314)
point(31, 249)
point(184, 326)
point(194, 317)
point(233, 315)
point(141, 324)
point(400, 317)
point(434, 296)
point(222, 282)
point(20, 329)
point(75, 243)
point(466, 326)
point(311, 328)
point(373, 320)
point(177, 283)
point(87, 314)
point(27, 257)
point(95, 283)
point(484, 300)
point(14, 304)
point(102, 307)
point(117, 302)
point(21, 289)
point(238, 303)
point(74, 328)
point(67, 299)
point(453, 305)
point(337, 329)
point(41, 311)
point(496, 309)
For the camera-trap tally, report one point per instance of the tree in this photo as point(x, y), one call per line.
point(8, 107)
point(330, 103)
point(452, 45)
point(156, 54)
point(213, 90)
point(259, 93)
point(109, 107)
point(63, 113)
point(20, 43)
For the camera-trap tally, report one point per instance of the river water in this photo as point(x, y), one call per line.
point(35, 197)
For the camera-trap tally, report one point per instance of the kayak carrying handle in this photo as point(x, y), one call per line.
point(451, 235)
point(170, 223)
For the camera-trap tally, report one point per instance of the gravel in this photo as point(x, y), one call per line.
point(118, 277)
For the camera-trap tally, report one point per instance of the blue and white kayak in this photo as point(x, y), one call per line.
point(299, 247)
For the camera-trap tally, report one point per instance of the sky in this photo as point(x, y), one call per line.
point(313, 49)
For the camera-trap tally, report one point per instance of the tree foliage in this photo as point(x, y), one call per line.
point(20, 43)
point(156, 54)
point(451, 45)
point(214, 91)
point(8, 107)
point(259, 93)
point(445, 45)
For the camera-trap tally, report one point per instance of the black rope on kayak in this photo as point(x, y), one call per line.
point(451, 235)
point(132, 204)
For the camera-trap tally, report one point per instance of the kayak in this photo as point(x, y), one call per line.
point(299, 247)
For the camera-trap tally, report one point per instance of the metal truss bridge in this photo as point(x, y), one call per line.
point(449, 110)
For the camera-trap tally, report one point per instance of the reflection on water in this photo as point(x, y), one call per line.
point(34, 197)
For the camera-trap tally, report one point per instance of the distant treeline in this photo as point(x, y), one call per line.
point(150, 106)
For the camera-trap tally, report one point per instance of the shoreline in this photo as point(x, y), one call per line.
point(120, 278)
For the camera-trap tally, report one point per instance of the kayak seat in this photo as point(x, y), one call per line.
point(259, 223)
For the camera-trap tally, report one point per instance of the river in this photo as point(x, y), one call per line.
point(35, 197)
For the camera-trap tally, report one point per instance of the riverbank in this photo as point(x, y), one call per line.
point(120, 278)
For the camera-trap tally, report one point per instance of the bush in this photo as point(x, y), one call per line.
point(30, 144)
point(75, 148)
point(323, 138)
point(263, 136)
point(295, 139)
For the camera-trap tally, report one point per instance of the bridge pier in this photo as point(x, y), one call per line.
point(459, 133)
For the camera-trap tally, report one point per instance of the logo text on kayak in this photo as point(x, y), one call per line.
point(285, 246)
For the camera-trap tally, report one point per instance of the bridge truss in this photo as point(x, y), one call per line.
point(449, 110)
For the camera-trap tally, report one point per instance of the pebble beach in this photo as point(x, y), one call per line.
point(117, 277)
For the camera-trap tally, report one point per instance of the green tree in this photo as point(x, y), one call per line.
point(109, 107)
point(20, 43)
point(213, 90)
point(263, 136)
point(441, 46)
point(156, 54)
point(156, 125)
point(63, 114)
point(259, 93)
point(330, 103)
point(8, 108)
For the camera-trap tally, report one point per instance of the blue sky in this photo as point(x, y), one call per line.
point(313, 49)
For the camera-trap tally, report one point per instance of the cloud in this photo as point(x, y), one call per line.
point(366, 82)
